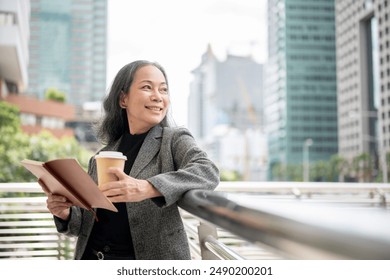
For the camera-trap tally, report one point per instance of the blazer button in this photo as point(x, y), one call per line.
point(106, 249)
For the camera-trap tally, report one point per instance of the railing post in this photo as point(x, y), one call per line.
point(204, 230)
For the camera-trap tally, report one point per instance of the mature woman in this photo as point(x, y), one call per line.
point(163, 162)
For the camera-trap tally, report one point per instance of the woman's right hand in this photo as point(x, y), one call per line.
point(59, 206)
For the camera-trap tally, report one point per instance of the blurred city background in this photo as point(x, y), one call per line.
point(300, 91)
point(290, 98)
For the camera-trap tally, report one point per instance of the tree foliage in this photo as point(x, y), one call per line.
point(337, 169)
point(228, 175)
point(13, 143)
point(9, 118)
point(16, 146)
point(55, 95)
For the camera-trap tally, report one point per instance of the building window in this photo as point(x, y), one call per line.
point(28, 119)
point(51, 122)
point(7, 19)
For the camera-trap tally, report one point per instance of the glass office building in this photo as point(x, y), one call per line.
point(68, 46)
point(301, 96)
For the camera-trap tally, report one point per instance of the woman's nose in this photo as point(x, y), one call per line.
point(156, 96)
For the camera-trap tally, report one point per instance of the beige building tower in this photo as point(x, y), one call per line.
point(363, 79)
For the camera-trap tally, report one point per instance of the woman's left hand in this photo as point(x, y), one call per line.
point(128, 189)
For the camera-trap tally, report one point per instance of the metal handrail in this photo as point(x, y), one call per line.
point(291, 227)
point(221, 250)
point(303, 187)
point(297, 230)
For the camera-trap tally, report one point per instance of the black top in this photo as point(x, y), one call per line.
point(111, 233)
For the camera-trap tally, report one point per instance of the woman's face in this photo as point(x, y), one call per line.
point(147, 101)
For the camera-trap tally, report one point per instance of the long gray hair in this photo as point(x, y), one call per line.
point(114, 121)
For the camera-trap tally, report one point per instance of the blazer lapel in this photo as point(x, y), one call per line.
point(149, 149)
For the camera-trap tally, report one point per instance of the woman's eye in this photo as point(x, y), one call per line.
point(146, 87)
point(164, 90)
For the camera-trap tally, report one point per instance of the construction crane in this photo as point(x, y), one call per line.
point(249, 105)
point(251, 112)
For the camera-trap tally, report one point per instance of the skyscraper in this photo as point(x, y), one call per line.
point(225, 113)
point(68, 48)
point(225, 92)
point(363, 70)
point(300, 98)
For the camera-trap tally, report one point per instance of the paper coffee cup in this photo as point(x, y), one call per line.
point(105, 160)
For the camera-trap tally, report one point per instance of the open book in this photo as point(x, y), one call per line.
point(67, 178)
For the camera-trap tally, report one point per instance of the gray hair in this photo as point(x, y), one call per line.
point(114, 121)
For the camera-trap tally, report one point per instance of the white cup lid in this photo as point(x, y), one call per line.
point(111, 154)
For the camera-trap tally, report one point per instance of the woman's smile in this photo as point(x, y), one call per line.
point(154, 108)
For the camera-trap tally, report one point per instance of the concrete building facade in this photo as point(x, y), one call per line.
point(363, 70)
point(14, 37)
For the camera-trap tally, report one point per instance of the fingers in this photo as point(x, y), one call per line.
point(57, 202)
point(123, 179)
point(59, 206)
point(129, 190)
point(118, 172)
point(117, 195)
point(111, 192)
point(56, 198)
point(118, 198)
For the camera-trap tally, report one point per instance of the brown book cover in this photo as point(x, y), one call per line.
point(67, 178)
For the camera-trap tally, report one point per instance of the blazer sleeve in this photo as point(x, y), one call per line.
point(190, 167)
point(73, 225)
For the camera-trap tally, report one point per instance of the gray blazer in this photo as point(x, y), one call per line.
point(173, 163)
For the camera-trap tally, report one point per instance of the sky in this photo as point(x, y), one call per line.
point(176, 33)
